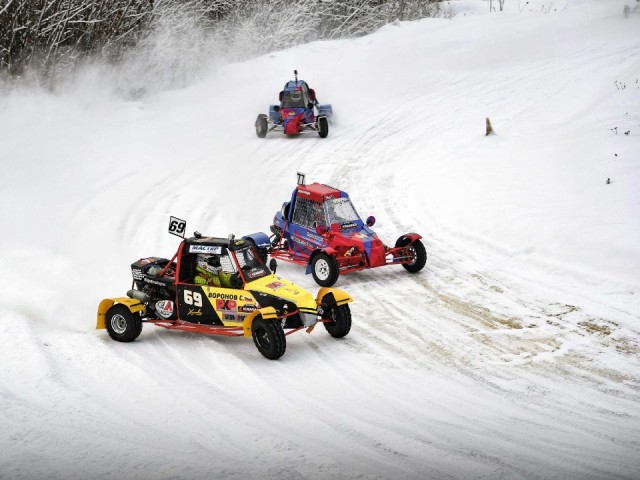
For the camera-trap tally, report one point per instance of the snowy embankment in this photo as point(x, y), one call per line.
point(514, 354)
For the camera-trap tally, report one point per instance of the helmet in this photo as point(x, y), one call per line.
point(209, 263)
point(296, 95)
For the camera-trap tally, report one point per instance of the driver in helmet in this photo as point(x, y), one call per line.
point(209, 272)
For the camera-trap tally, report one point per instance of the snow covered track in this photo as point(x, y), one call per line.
point(513, 355)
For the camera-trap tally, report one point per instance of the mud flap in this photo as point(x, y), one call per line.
point(340, 296)
point(132, 304)
point(267, 313)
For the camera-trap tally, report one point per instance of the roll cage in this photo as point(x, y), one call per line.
point(236, 257)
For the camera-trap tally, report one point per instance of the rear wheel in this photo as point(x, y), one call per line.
point(340, 323)
point(324, 269)
point(123, 325)
point(323, 127)
point(261, 125)
point(416, 251)
point(269, 338)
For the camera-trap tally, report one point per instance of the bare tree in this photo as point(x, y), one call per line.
point(50, 34)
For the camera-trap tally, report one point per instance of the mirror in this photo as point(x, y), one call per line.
point(276, 108)
point(273, 265)
point(371, 221)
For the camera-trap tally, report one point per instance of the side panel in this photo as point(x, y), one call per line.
point(302, 242)
point(212, 305)
point(194, 306)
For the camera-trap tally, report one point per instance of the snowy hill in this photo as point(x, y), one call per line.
point(513, 354)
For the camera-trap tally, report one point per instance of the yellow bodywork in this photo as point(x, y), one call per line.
point(283, 288)
point(340, 296)
point(267, 313)
point(131, 303)
point(270, 284)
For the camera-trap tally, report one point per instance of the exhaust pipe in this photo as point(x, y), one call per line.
point(138, 295)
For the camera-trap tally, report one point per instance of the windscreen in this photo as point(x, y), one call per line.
point(340, 210)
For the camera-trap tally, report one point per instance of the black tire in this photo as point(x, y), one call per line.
point(340, 324)
point(324, 269)
point(323, 127)
point(417, 250)
point(269, 338)
point(122, 325)
point(261, 125)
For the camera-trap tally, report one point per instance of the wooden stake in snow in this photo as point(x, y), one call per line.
point(489, 127)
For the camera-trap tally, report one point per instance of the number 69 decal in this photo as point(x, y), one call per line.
point(177, 226)
point(192, 298)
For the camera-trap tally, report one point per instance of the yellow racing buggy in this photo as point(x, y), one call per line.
point(221, 286)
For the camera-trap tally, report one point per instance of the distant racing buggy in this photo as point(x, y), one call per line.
point(296, 112)
point(256, 303)
point(320, 228)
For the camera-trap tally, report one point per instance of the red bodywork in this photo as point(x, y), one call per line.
point(355, 246)
point(292, 125)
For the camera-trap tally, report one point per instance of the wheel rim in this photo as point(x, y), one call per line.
point(118, 323)
point(332, 317)
point(414, 256)
point(263, 338)
point(322, 269)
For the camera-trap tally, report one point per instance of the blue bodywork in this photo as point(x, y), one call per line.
point(295, 100)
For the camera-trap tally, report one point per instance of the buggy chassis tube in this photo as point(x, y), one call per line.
point(397, 252)
point(132, 304)
point(279, 127)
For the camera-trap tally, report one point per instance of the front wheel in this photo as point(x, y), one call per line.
point(340, 323)
point(416, 251)
point(269, 338)
point(123, 325)
point(323, 127)
point(261, 125)
point(324, 269)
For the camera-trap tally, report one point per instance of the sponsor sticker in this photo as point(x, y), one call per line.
point(275, 285)
point(164, 308)
point(224, 296)
point(228, 305)
point(205, 249)
point(301, 241)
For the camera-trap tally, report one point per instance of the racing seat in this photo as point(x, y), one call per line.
point(187, 269)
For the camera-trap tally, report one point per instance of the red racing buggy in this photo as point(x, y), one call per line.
point(297, 112)
point(320, 228)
